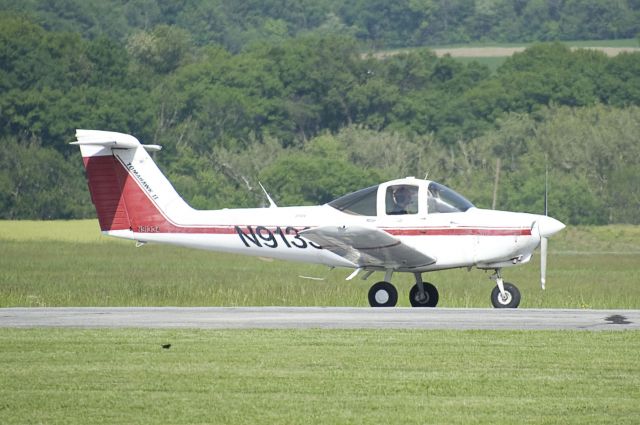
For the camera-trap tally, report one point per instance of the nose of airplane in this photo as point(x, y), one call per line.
point(549, 226)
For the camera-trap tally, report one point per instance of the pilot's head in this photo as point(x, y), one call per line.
point(402, 196)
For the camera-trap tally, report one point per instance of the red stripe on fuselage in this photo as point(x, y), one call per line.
point(460, 231)
point(144, 216)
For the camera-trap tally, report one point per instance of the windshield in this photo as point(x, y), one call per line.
point(362, 202)
point(441, 199)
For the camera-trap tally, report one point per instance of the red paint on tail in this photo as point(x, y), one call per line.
point(120, 202)
point(106, 189)
point(144, 215)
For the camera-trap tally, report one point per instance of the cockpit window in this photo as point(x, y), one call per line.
point(401, 199)
point(362, 202)
point(441, 199)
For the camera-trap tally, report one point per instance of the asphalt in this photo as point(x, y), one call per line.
point(318, 317)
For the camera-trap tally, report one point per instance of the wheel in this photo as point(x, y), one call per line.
point(383, 294)
point(512, 299)
point(430, 296)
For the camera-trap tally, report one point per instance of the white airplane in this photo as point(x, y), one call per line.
point(406, 225)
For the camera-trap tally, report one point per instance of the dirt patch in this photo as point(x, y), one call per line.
point(498, 52)
point(479, 52)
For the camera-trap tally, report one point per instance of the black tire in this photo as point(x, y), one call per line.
point(383, 294)
point(512, 293)
point(431, 296)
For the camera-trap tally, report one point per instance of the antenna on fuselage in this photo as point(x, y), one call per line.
point(546, 190)
point(271, 203)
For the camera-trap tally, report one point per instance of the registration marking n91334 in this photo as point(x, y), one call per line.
point(262, 236)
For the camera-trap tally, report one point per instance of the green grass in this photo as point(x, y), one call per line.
point(75, 266)
point(494, 62)
point(318, 376)
point(60, 231)
point(594, 239)
point(72, 376)
point(626, 42)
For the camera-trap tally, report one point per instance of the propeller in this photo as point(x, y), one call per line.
point(543, 261)
point(547, 226)
point(544, 242)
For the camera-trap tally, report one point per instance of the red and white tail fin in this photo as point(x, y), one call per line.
point(129, 191)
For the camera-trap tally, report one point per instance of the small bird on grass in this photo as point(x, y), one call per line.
point(166, 346)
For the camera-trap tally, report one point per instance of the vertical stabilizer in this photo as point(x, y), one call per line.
point(129, 191)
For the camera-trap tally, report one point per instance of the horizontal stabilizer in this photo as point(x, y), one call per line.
point(110, 139)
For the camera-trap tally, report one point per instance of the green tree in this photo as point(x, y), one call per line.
point(619, 84)
point(38, 183)
point(301, 178)
point(624, 194)
point(550, 73)
point(163, 49)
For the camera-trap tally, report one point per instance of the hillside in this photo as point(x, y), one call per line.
point(307, 114)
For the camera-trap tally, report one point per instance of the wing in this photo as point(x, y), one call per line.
point(367, 247)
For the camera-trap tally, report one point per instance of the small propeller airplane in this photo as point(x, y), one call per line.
point(406, 225)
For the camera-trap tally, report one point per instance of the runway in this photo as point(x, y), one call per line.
point(319, 317)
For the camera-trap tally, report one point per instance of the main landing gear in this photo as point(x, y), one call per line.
point(384, 294)
point(424, 294)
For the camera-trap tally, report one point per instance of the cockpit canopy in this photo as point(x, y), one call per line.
point(441, 199)
point(402, 197)
point(361, 202)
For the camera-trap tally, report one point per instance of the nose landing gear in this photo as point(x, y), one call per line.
point(504, 294)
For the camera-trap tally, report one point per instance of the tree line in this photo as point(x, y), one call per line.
point(376, 23)
point(312, 118)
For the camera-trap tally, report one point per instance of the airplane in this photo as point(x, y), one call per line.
point(406, 225)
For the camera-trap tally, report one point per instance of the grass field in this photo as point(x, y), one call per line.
point(71, 264)
point(318, 376)
point(625, 42)
point(104, 376)
point(493, 61)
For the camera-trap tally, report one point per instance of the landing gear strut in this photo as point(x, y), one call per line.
point(504, 294)
point(423, 294)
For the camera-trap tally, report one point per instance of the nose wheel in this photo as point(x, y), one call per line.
point(510, 299)
point(504, 294)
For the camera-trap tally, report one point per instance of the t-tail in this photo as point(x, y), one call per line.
point(129, 191)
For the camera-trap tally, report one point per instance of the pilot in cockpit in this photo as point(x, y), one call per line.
point(404, 200)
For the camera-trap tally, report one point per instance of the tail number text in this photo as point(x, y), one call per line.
point(262, 236)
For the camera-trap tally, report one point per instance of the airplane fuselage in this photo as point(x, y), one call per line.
point(463, 239)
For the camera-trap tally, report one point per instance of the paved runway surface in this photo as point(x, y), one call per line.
point(317, 317)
